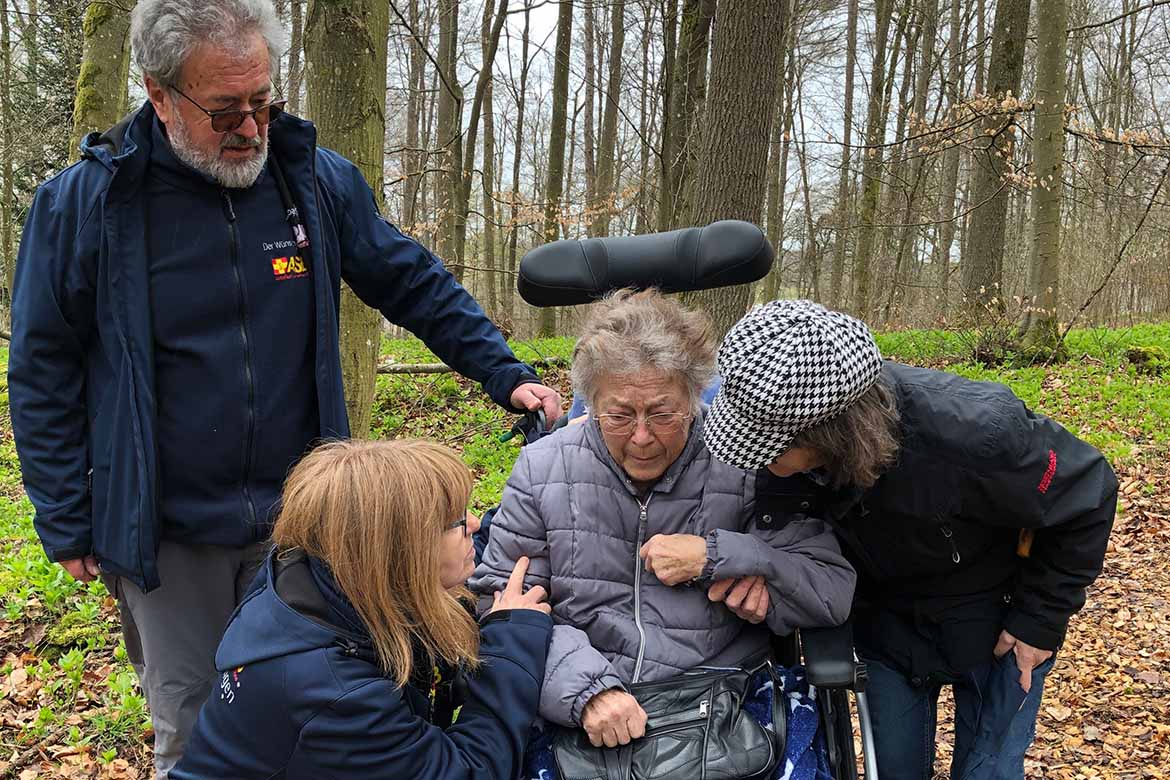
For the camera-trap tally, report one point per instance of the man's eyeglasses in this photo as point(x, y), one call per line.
point(625, 424)
point(230, 119)
point(460, 523)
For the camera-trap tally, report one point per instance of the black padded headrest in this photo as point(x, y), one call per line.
point(567, 273)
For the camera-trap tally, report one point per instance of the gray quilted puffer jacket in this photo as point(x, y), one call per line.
point(571, 509)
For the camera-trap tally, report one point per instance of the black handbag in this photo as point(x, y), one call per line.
point(696, 727)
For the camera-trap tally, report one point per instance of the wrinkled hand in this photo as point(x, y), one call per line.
point(613, 718)
point(82, 569)
point(513, 595)
point(1027, 657)
point(533, 396)
point(747, 597)
point(674, 558)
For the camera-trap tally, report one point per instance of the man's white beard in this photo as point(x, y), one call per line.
point(236, 175)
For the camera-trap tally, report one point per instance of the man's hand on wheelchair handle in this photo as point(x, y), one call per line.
point(747, 597)
point(533, 396)
point(1027, 657)
point(613, 718)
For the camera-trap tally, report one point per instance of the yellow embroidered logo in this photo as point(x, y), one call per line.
point(289, 268)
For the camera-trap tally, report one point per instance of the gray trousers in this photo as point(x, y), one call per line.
point(172, 633)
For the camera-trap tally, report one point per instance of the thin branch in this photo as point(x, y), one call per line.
point(1120, 254)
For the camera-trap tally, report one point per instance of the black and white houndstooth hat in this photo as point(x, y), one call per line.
point(786, 366)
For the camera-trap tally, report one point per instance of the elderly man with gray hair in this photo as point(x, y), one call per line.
point(649, 548)
point(175, 343)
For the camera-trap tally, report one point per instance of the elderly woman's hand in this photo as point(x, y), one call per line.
point(747, 597)
point(613, 718)
point(675, 558)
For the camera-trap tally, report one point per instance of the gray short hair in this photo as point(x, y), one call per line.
point(630, 331)
point(861, 442)
point(165, 32)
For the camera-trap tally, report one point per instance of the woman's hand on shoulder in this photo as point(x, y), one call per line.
point(613, 718)
point(513, 596)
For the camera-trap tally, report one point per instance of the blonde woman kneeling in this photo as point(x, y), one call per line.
point(354, 647)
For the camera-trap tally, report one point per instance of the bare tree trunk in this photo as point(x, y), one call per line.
point(606, 184)
point(520, 99)
point(667, 152)
point(590, 24)
point(488, 49)
point(449, 186)
point(982, 267)
point(872, 160)
point(349, 36)
point(7, 121)
point(100, 99)
point(844, 213)
point(463, 186)
point(644, 126)
point(941, 259)
point(737, 125)
point(556, 143)
point(778, 167)
point(296, 44)
point(899, 299)
point(687, 97)
point(412, 158)
point(1039, 328)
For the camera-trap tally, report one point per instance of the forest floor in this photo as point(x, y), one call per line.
point(70, 706)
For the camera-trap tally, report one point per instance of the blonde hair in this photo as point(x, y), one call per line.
point(375, 512)
point(629, 331)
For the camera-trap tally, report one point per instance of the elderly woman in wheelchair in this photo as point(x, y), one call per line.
point(665, 588)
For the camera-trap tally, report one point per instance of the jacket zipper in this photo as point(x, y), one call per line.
point(949, 535)
point(642, 505)
point(249, 382)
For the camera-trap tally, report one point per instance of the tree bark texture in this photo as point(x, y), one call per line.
point(346, 58)
point(449, 184)
point(556, 143)
point(875, 124)
point(982, 267)
point(1040, 317)
point(837, 297)
point(606, 183)
point(737, 125)
point(7, 245)
point(100, 99)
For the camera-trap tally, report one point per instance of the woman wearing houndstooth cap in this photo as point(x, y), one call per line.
point(975, 524)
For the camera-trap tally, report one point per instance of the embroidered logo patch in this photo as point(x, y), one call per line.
point(1049, 473)
point(289, 268)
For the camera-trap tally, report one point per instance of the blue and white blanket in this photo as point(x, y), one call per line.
point(805, 755)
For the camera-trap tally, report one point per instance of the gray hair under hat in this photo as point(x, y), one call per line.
point(786, 366)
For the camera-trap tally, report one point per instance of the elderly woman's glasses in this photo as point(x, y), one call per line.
point(230, 120)
point(625, 424)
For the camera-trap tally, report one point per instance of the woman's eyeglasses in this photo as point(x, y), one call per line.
point(625, 424)
point(460, 523)
point(228, 120)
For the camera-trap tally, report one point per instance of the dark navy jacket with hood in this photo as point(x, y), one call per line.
point(301, 697)
point(82, 375)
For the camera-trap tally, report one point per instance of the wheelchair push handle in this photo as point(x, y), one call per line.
point(572, 272)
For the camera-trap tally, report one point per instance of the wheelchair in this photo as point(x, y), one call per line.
point(729, 252)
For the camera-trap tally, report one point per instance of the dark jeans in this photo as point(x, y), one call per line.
point(995, 721)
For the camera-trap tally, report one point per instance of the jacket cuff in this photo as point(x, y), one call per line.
point(1028, 629)
point(708, 573)
point(58, 554)
point(602, 683)
point(525, 617)
point(504, 382)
